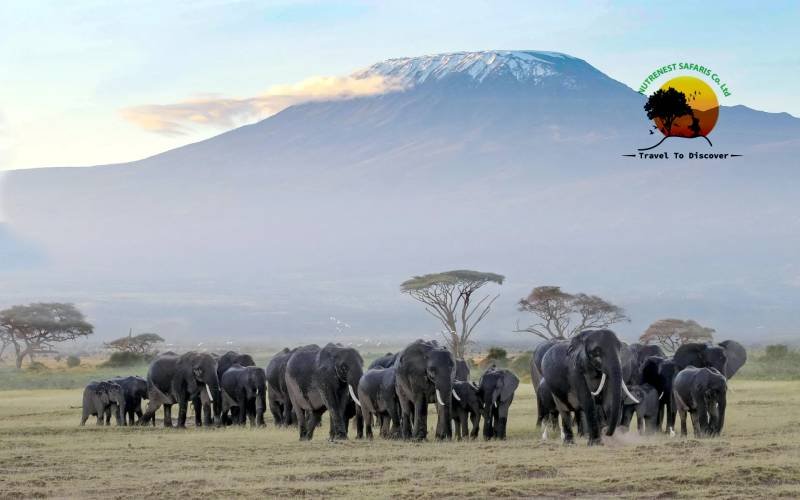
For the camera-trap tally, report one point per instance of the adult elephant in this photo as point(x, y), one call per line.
point(173, 379)
point(660, 373)
point(320, 379)
point(102, 399)
point(384, 361)
point(425, 372)
point(379, 404)
point(245, 388)
point(587, 368)
point(280, 405)
point(496, 390)
point(702, 393)
point(134, 390)
point(701, 356)
point(736, 356)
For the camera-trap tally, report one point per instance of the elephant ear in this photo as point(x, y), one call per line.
point(577, 348)
point(736, 354)
point(510, 383)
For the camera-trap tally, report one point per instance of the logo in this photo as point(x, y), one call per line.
point(682, 105)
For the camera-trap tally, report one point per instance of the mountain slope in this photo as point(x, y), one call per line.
point(501, 161)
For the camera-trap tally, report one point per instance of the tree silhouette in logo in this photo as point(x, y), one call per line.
point(667, 106)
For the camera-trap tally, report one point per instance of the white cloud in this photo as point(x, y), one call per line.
point(226, 112)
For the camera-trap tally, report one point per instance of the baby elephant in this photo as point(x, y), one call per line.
point(646, 409)
point(496, 391)
point(701, 392)
point(466, 406)
point(101, 399)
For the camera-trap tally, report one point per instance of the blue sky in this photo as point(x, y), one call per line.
point(73, 75)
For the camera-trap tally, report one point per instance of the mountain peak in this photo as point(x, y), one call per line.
point(522, 65)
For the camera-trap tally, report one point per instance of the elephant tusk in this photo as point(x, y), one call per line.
point(210, 397)
point(660, 396)
point(353, 394)
point(439, 397)
point(544, 434)
point(628, 393)
point(456, 395)
point(600, 387)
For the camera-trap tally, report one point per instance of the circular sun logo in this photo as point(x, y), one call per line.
point(683, 107)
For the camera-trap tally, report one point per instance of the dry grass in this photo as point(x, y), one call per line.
point(43, 453)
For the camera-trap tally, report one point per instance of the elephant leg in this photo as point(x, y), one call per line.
point(359, 423)
point(100, 418)
point(197, 405)
point(407, 410)
point(313, 421)
point(277, 412)
point(84, 417)
point(368, 425)
point(566, 427)
point(476, 420)
point(580, 422)
point(420, 427)
point(167, 415)
point(682, 413)
point(488, 424)
point(302, 423)
point(697, 426)
point(208, 420)
point(591, 415)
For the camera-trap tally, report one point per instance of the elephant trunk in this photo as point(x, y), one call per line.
point(721, 413)
point(612, 396)
point(122, 409)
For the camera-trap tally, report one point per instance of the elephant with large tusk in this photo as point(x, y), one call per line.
point(583, 374)
point(425, 373)
point(324, 379)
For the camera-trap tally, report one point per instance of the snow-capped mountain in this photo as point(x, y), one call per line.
point(503, 161)
point(532, 67)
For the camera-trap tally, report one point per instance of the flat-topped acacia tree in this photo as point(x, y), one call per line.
point(35, 328)
point(448, 297)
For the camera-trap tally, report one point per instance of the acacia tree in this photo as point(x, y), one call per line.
point(141, 344)
point(560, 315)
point(36, 328)
point(667, 105)
point(449, 297)
point(672, 333)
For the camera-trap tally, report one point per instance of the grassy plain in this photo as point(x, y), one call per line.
point(44, 453)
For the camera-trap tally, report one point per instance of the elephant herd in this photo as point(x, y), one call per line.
point(593, 380)
point(599, 382)
point(300, 385)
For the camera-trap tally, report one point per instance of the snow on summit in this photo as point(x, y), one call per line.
point(528, 66)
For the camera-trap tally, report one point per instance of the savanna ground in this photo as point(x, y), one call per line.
point(44, 453)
